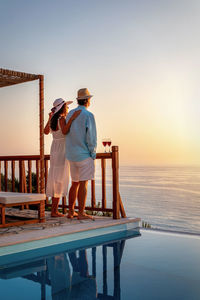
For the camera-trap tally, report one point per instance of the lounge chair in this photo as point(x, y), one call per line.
point(10, 199)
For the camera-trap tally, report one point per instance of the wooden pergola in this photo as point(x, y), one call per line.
point(8, 78)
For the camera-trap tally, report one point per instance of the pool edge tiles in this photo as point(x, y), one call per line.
point(87, 232)
point(30, 252)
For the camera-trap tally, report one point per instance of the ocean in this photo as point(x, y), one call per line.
point(167, 198)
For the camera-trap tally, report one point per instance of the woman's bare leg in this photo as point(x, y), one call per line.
point(54, 208)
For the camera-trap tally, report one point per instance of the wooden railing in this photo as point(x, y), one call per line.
point(28, 167)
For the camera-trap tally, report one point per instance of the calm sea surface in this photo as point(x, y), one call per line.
point(167, 198)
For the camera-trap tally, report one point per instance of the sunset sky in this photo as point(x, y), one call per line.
point(140, 60)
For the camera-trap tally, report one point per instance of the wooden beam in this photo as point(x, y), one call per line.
point(122, 210)
point(41, 105)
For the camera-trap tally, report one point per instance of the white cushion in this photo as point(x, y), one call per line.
point(9, 197)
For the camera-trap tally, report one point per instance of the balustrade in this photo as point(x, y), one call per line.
point(29, 166)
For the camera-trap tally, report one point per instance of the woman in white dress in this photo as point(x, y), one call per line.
point(58, 177)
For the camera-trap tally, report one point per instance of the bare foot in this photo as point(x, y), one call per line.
point(85, 217)
point(57, 214)
point(72, 214)
point(75, 214)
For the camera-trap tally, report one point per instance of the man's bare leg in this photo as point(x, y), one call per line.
point(82, 196)
point(72, 199)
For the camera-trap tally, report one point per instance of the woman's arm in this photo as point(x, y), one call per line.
point(47, 127)
point(66, 127)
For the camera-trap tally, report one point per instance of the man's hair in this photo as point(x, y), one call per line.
point(82, 101)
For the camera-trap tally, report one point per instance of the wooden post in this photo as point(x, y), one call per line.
point(29, 176)
point(24, 177)
point(115, 172)
point(20, 176)
point(41, 211)
point(122, 210)
point(6, 175)
point(0, 175)
point(46, 171)
point(103, 167)
point(21, 179)
point(46, 177)
point(24, 185)
point(38, 175)
point(13, 175)
point(93, 198)
point(41, 84)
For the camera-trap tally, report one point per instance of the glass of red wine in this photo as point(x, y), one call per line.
point(109, 144)
point(104, 142)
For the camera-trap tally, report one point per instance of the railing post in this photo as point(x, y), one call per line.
point(103, 167)
point(38, 176)
point(24, 177)
point(21, 190)
point(93, 198)
point(6, 175)
point(0, 175)
point(46, 171)
point(41, 87)
point(20, 177)
point(46, 176)
point(13, 175)
point(29, 176)
point(115, 172)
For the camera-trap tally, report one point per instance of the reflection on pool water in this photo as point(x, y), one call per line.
point(155, 265)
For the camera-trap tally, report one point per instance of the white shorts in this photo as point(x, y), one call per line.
point(82, 170)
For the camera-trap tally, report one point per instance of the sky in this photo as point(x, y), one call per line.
point(140, 60)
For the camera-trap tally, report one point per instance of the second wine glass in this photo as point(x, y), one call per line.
point(109, 143)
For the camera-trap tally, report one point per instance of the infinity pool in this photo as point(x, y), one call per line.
point(153, 265)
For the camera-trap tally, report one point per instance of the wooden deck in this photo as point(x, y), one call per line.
point(58, 227)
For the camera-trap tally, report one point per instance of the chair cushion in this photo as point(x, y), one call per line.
point(10, 197)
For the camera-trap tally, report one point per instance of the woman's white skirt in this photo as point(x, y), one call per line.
point(58, 177)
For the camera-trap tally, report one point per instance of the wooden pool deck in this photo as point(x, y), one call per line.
point(57, 227)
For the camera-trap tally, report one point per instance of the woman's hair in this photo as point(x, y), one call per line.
point(54, 119)
point(82, 101)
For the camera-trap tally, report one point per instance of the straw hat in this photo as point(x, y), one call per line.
point(83, 94)
point(58, 104)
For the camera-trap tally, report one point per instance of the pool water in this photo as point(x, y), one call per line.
point(154, 265)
